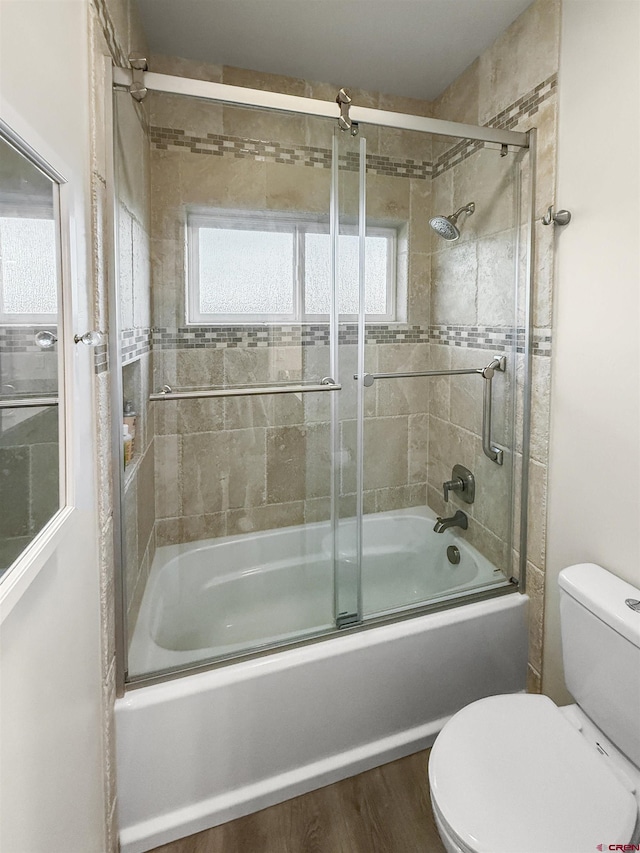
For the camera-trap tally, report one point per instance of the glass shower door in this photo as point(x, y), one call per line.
point(348, 271)
point(429, 415)
point(233, 492)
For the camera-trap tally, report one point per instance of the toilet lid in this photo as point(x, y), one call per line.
point(509, 774)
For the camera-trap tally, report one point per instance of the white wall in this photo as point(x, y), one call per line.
point(594, 470)
point(51, 764)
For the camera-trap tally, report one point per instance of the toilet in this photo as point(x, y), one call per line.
point(518, 774)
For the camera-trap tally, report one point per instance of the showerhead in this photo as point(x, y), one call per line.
point(446, 226)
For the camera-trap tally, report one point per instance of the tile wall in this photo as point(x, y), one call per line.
point(115, 32)
point(514, 85)
point(242, 465)
point(134, 278)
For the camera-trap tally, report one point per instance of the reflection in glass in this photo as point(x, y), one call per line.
point(29, 449)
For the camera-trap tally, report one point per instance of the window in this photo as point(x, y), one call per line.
point(248, 268)
point(28, 270)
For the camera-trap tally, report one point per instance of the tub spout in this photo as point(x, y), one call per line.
point(458, 520)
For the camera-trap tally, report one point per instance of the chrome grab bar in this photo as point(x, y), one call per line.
point(496, 454)
point(28, 402)
point(166, 393)
point(499, 362)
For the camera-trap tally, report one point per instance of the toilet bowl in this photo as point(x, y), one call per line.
point(518, 774)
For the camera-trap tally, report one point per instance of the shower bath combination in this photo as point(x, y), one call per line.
point(289, 512)
point(447, 227)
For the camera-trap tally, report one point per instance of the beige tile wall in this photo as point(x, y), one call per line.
point(472, 286)
point(132, 158)
point(523, 57)
point(115, 32)
point(525, 54)
point(242, 465)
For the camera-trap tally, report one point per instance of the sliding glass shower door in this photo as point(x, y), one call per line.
point(232, 494)
point(438, 423)
point(304, 375)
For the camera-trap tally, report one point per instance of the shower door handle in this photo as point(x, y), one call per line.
point(496, 454)
point(499, 362)
point(167, 393)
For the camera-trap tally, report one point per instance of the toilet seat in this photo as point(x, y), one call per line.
point(509, 774)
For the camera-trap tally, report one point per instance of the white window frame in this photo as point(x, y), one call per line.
point(298, 226)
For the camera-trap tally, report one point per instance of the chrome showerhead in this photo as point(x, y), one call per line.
point(446, 226)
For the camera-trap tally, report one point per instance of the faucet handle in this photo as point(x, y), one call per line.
point(462, 481)
point(455, 485)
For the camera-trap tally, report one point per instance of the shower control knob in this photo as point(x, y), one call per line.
point(463, 482)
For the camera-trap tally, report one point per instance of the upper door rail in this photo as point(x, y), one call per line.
point(243, 96)
point(167, 393)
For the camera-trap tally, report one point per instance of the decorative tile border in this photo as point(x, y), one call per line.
point(101, 359)
point(525, 106)
point(167, 138)
point(476, 337)
point(134, 343)
point(500, 338)
point(137, 342)
point(507, 119)
point(251, 337)
point(217, 145)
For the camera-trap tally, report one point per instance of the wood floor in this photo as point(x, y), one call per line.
point(385, 810)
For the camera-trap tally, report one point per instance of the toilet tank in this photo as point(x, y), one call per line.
point(601, 651)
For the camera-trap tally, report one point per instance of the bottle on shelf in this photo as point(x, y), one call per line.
point(127, 443)
point(130, 419)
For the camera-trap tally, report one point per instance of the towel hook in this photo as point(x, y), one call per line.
point(561, 217)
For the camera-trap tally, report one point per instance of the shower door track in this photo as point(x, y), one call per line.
point(242, 96)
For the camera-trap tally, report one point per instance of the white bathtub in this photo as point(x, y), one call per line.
point(203, 749)
point(218, 597)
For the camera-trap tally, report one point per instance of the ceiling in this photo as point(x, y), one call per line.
point(401, 47)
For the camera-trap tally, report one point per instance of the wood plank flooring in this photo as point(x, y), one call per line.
point(385, 810)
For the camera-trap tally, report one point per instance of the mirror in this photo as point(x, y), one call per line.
point(30, 359)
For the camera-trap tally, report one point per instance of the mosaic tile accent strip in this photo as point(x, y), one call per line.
point(507, 119)
point(22, 338)
point(167, 138)
point(525, 106)
point(138, 342)
point(500, 338)
point(101, 359)
point(249, 337)
point(172, 139)
point(477, 337)
point(541, 342)
point(134, 343)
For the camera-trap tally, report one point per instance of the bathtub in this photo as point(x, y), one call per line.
point(208, 747)
point(218, 597)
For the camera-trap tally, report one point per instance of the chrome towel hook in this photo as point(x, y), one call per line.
point(562, 217)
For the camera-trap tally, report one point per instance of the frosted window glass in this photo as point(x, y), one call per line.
point(318, 274)
point(28, 265)
point(246, 272)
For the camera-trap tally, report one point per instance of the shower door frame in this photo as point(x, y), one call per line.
point(122, 78)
